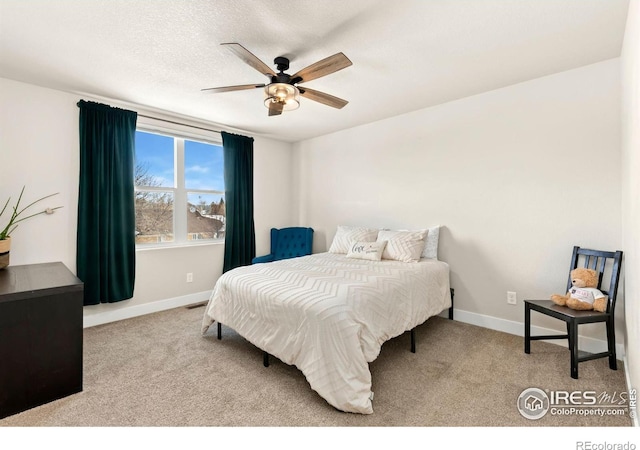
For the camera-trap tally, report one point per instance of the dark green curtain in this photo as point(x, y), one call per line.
point(105, 252)
point(240, 236)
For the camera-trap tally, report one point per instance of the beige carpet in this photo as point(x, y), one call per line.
point(158, 370)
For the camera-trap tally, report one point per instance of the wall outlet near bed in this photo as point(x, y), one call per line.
point(511, 298)
point(189, 277)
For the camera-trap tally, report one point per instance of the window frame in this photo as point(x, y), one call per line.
point(180, 134)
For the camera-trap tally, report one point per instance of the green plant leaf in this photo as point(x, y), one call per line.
point(14, 219)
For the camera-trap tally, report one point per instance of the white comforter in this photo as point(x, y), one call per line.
point(329, 315)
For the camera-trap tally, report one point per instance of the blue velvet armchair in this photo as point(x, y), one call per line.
point(288, 243)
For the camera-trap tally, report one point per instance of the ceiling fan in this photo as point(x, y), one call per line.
point(283, 92)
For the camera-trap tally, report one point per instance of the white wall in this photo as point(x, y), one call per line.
point(516, 176)
point(39, 148)
point(38, 132)
point(631, 186)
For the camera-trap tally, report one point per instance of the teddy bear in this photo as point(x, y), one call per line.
point(583, 294)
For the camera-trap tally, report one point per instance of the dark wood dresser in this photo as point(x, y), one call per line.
point(40, 335)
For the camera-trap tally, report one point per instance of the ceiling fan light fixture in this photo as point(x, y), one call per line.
point(284, 93)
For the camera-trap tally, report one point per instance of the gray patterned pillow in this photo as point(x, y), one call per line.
point(431, 246)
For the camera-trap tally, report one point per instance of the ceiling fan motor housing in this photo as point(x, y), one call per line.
point(282, 64)
point(281, 78)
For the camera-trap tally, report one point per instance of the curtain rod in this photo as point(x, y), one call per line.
point(178, 123)
point(165, 120)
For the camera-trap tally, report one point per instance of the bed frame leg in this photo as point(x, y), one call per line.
point(413, 331)
point(219, 331)
point(413, 340)
point(265, 359)
point(451, 308)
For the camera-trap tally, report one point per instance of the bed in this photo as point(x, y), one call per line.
point(329, 314)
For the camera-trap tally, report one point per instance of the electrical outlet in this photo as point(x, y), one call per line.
point(189, 277)
point(511, 298)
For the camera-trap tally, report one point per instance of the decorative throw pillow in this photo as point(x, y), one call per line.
point(371, 251)
point(406, 246)
point(431, 242)
point(346, 235)
point(431, 246)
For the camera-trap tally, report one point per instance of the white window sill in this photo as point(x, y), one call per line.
point(172, 245)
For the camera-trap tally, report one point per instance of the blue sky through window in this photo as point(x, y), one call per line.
point(203, 162)
point(203, 167)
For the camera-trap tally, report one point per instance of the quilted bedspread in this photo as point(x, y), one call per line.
point(329, 315)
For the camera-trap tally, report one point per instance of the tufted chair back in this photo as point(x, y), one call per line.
point(288, 243)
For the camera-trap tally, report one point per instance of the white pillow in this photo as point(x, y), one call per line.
point(371, 251)
point(431, 246)
point(406, 246)
point(346, 235)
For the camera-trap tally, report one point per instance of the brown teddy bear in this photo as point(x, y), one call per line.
point(583, 294)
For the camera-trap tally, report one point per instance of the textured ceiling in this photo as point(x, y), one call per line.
point(406, 54)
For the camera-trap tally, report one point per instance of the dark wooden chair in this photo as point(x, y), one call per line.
point(601, 261)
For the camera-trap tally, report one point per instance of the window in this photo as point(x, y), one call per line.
point(179, 189)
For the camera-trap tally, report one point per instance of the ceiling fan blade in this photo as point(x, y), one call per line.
point(250, 58)
point(321, 68)
point(275, 108)
point(240, 87)
point(323, 98)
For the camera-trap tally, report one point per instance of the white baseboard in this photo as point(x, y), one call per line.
point(493, 323)
point(102, 317)
point(587, 344)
